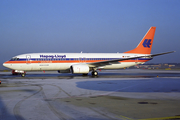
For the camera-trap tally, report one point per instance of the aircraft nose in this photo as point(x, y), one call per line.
point(8, 65)
point(5, 64)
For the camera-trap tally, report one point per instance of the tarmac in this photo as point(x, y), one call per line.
point(116, 94)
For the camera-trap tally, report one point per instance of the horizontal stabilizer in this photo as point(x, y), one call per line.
point(161, 54)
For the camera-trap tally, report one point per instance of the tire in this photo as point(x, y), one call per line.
point(23, 74)
point(94, 73)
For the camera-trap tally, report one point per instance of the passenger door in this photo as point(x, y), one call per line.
point(28, 59)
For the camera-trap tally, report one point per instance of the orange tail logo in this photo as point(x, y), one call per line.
point(144, 47)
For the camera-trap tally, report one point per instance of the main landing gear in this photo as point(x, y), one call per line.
point(94, 73)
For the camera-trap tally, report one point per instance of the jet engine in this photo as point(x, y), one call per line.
point(84, 69)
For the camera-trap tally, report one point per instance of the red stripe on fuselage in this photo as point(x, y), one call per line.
point(69, 61)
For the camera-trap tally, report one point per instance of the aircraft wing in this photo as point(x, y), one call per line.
point(116, 61)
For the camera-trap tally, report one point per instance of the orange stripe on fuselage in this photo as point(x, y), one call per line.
point(68, 61)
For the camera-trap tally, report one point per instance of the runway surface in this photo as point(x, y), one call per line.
point(118, 94)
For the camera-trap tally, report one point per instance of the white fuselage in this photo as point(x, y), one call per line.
point(63, 61)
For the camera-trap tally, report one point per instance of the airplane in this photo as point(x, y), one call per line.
point(83, 63)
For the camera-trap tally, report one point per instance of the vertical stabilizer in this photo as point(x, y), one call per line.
point(144, 47)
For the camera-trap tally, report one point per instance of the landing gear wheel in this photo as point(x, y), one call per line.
point(23, 74)
point(94, 73)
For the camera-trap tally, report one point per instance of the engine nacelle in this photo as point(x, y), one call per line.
point(84, 69)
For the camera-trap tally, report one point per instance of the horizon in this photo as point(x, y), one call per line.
point(89, 26)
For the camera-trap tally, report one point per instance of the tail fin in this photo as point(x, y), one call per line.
point(144, 47)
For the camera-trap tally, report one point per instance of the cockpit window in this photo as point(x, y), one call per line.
point(15, 59)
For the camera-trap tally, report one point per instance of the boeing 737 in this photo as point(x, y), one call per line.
point(83, 63)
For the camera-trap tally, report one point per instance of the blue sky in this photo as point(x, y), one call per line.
point(89, 26)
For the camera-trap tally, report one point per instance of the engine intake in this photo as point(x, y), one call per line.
point(84, 69)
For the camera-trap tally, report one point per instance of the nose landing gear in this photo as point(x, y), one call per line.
point(23, 74)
